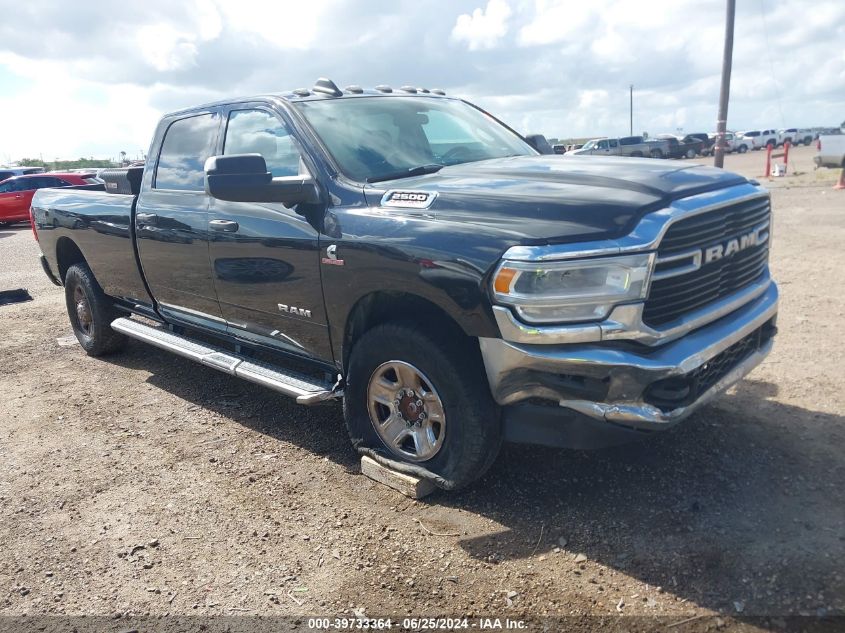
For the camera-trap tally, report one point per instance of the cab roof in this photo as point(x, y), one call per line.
point(324, 89)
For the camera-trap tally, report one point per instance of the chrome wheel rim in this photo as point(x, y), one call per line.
point(406, 411)
point(83, 311)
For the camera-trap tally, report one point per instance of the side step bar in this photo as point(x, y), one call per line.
point(306, 389)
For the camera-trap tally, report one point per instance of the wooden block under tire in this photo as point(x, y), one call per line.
point(408, 485)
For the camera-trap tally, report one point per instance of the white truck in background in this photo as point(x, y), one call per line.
point(795, 136)
point(831, 151)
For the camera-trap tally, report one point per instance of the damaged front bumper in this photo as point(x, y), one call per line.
point(631, 384)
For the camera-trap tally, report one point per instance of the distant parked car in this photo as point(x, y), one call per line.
point(758, 139)
point(635, 146)
point(559, 149)
point(9, 172)
point(787, 135)
point(804, 136)
point(16, 192)
point(706, 148)
point(682, 147)
point(733, 143)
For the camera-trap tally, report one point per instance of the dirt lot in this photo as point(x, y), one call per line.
point(145, 484)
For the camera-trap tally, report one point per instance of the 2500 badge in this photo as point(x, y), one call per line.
point(408, 199)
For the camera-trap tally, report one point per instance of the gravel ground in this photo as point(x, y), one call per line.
point(143, 484)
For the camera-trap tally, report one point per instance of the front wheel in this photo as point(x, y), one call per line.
point(743, 149)
point(421, 401)
point(91, 312)
point(690, 153)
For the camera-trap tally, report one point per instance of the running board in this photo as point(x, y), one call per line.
point(306, 389)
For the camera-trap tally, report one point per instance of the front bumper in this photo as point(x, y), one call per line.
point(626, 383)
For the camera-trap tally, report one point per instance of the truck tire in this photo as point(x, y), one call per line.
point(656, 153)
point(419, 401)
point(690, 153)
point(91, 312)
point(742, 149)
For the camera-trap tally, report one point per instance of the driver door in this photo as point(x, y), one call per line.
point(265, 257)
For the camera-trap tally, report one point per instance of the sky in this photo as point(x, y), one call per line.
point(92, 78)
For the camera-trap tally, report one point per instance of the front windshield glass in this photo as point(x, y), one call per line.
point(589, 145)
point(375, 138)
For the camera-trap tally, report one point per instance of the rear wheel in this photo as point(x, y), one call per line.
point(690, 153)
point(420, 400)
point(743, 149)
point(656, 153)
point(91, 312)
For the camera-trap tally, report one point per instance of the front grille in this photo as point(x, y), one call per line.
point(672, 297)
point(681, 391)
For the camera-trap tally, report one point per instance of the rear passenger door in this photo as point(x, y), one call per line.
point(265, 257)
point(171, 222)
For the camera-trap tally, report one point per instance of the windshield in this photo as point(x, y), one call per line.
point(380, 138)
point(589, 145)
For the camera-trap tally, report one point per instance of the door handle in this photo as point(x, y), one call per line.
point(146, 218)
point(226, 226)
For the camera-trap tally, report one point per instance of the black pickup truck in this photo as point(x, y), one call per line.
point(408, 253)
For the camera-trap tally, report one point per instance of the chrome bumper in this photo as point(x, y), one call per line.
point(627, 371)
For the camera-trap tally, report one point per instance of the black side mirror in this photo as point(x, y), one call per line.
point(244, 178)
point(539, 142)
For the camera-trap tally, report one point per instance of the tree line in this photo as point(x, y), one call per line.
point(79, 163)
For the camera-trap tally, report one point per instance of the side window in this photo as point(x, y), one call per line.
point(27, 184)
point(259, 132)
point(187, 144)
point(613, 143)
point(46, 181)
point(6, 187)
point(602, 145)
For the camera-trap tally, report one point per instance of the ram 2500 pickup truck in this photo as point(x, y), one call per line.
point(408, 253)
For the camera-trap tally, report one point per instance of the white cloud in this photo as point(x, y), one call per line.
point(484, 27)
point(556, 21)
point(285, 24)
point(166, 48)
point(95, 81)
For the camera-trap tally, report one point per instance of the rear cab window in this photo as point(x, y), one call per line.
point(187, 144)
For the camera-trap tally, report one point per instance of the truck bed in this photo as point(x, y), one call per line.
point(100, 224)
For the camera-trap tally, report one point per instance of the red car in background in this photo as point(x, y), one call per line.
point(16, 193)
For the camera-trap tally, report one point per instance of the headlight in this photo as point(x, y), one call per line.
point(572, 290)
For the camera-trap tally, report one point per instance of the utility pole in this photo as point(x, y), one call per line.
point(631, 110)
point(724, 94)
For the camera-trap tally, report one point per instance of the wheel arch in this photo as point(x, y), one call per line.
point(386, 306)
point(67, 254)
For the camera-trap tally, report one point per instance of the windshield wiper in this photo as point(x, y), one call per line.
point(407, 173)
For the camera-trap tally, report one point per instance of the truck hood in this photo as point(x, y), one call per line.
point(548, 199)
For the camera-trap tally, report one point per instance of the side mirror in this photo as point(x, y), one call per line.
point(244, 178)
point(539, 142)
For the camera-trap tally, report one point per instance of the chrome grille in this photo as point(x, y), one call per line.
point(675, 292)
